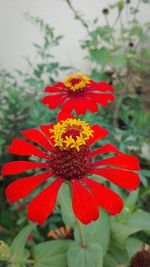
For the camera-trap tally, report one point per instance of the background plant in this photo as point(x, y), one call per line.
point(21, 108)
point(118, 52)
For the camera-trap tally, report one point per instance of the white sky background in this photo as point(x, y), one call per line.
point(17, 34)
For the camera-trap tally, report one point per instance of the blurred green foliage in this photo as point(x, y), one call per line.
point(21, 93)
point(21, 108)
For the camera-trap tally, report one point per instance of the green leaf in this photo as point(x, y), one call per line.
point(65, 68)
point(109, 261)
point(98, 231)
point(119, 253)
point(99, 76)
point(145, 52)
point(64, 200)
point(131, 200)
point(121, 231)
point(145, 172)
point(91, 256)
point(52, 66)
point(138, 221)
point(136, 30)
point(133, 245)
point(51, 253)
point(18, 251)
point(101, 56)
point(119, 60)
point(102, 32)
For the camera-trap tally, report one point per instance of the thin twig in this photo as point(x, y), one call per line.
point(77, 16)
point(116, 20)
point(137, 8)
point(110, 30)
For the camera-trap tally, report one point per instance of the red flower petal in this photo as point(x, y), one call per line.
point(59, 87)
point(80, 105)
point(99, 133)
point(36, 136)
point(43, 204)
point(68, 106)
point(19, 166)
point(102, 99)
point(106, 198)
point(59, 84)
point(24, 186)
point(22, 147)
point(101, 86)
point(108, 148)
point(123, 161)
point(45, 128)
point(83, 103)
point(83, 203)
point(54, 101)
point(64, 115)
point(123, 178)
point(92, 106)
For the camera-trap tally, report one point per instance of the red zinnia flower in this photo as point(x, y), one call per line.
point(69, 157)
point(78, 93)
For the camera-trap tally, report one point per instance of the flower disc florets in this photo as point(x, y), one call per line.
point(141, 259)
point(71, 157)
point(71, 133)
point(76, 82)
point(71, 164)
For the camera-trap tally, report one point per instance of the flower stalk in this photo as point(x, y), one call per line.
point(82, 240)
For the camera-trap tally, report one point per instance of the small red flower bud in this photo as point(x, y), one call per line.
point(30, 237)
point(20, 207)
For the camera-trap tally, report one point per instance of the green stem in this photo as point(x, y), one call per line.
point(83, 243)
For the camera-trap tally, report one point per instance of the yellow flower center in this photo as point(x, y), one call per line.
point(71, 133)
point(76, 82)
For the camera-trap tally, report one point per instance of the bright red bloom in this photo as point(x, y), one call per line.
point(67, 156)
point(78, 93)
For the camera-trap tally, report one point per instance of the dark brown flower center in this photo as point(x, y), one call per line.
point(78, 93)
point(141, 259)
point(71, 164)
point(71, 132)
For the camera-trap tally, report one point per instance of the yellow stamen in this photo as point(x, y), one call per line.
point(82, 83)
point(64, 142)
